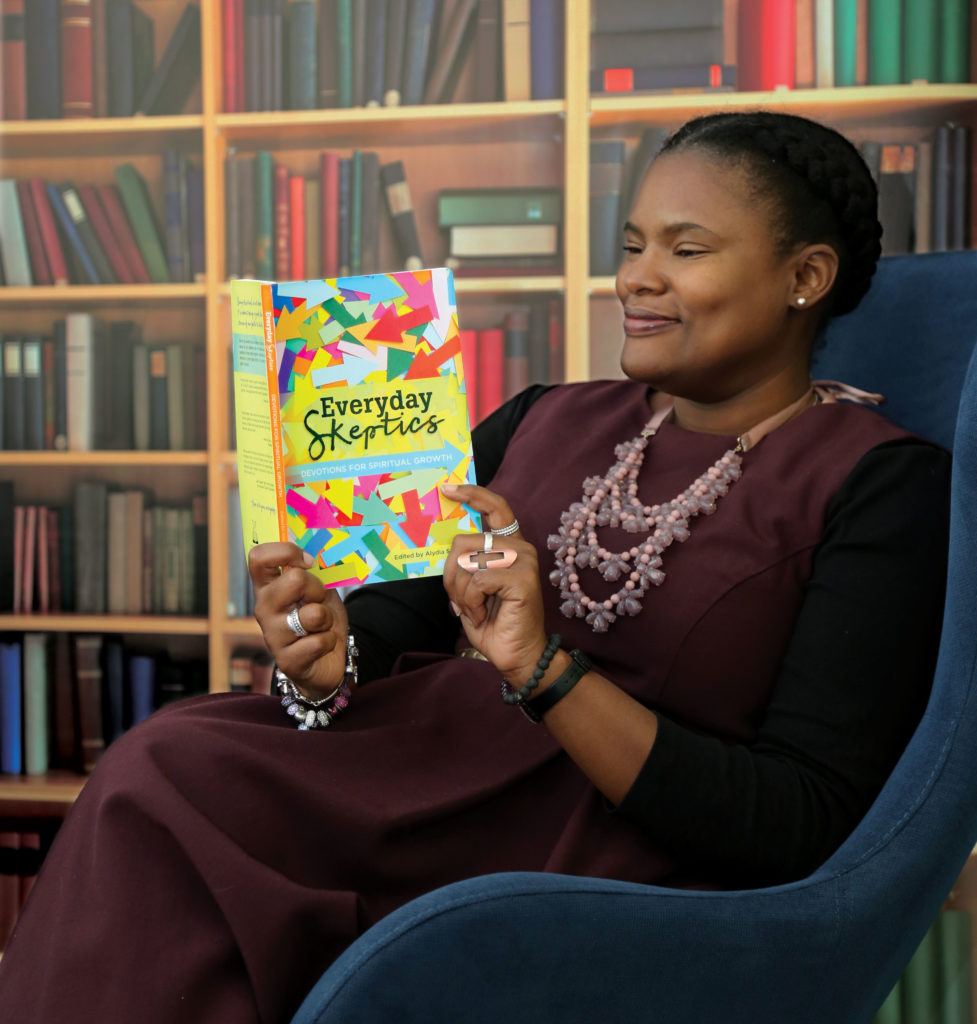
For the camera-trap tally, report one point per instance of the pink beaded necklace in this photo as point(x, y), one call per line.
point(612, 500)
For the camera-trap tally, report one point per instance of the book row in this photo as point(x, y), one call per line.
point(94, 385)
point(78, 58)
point(24, 843)
point(936, 987)
point(64, 697)
point(923, 189)
point(110, 550)
point(55, 233)
point(362, 53)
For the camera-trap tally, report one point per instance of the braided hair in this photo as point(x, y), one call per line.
point(816, 181)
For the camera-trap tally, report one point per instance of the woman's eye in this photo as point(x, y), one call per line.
point(631, 248)
point(687, 253)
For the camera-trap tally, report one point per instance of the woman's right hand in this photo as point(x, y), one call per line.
point(316, 663)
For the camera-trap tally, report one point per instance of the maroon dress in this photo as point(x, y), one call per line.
point(218, 860)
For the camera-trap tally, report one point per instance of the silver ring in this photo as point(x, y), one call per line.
point(487, 542)
point(294, 623)
point(507, 531)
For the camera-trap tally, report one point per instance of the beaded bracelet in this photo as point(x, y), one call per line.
point(313, 714)
point(520, 696)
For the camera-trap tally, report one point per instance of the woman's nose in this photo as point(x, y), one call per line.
point(640, 273)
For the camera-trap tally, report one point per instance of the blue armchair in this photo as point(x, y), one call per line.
point(550, 948)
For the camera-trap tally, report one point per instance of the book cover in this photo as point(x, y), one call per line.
point(351, 412)
point(178, 71)
point(506, 205)
point(516, 48)
point(765, 45)
point(885, 38)
point(40, 269)
point(77, 76)
point(49, 232)
point(139, 210)
point(301, 60)
point(13, 240)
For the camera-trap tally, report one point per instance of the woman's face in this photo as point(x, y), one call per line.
point(706, 294)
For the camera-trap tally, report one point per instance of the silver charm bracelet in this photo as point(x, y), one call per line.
point(317, 714)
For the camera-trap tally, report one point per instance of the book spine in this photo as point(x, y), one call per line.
point(274, 409)
point(77, 249)
point(89, 678)
point(33, 394)
point(77, 78)
point(393, 178)
point(173, 214)
point(343, 214)
point(942, 188)
point(60, 386)
point(64, 748)
point(296, 231)
point(121, 70)
point(86, 233)
point(252, 54)
point(13, 62)
point(80, 381)
point(417, 43)
point(375, 46)
point(195, 219)
point(142, 687)
point(283, 269)
point(923, 199)
point(804, 57)
point(344, 52)
point(232, 219)
point(546, 49)
point(140, 398)
point(30, 560)
point(327, 71)
point(20, 515)
point(313, 222)
point(230, 56)
point(302, 55)
point(885, 42)
point(11, 708)
point(13, 393)
point(329, 180)
point(178, 71)
point(896, 186)
point(516, 373)
point(921, 40)
point(491, 360)
point(247, 215)
point(356, 212)
point(683, 76)
point(40, 271)
point(606, 172)
point(516, 49)
point(49, 232)
point(43, 51)
point(369, 203)
point(277, 42)
point(6, 545)
point(41, 562)
point(960, 179)
point(450, 51)
point(488, 51)
point(13, 240)
point(264, 261)
point(159, 403)
point(100, 60)
point(954, 41)
point(119, 224)
point(103, 231)
point(358, 26)
point(393, 71)
point(139, 211)
point(48, 387)
point(845, 17)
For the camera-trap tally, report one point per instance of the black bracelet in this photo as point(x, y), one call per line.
point(562, 685)
point(520, 696)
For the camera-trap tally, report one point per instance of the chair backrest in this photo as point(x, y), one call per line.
point(907, 852)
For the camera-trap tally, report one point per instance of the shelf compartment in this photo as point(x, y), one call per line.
point(107, 136)
point(86, 296)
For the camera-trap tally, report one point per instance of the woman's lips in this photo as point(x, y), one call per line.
point(638, 322)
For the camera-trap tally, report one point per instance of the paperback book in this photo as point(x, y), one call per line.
point(351, 413)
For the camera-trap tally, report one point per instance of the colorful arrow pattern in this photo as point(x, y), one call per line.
point(374, 419)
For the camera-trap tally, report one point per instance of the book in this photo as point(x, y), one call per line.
point(921, 41)
point(106, 236)
point(77, 75)
point(85, 384)
point(511, 205)
point(196, 241)
point(369, 216)
point(488, 51)
point(606, 174)
point(885, 42)
point(327, 94)
point(358, 58)
point(312, 203)
point(503, 240)
point(33, 393)
point(954, 41)
point(114, 696)
point(350, 415)
point(516, 50)
point(959, 184)
point(42, 26)
point(142, 687)
point(13, 392)
point(417, 44)
point(296, 226)
point(329, 187)
point(765, 45)
point(826, 43)
point(36, 684)
point(115, 594)
point(276, 101)
point(6, 547)
point(139, 210)
point(49, 232)
point(282, 265)
point(64, 750)
point(452, 48)
point(119, 223)
point(491, 361)
point(375, 47)
point(76, 249)
point(91, 546)
point(178, 71)
point(231, 12)
point(393, 67)
point(264, 220)
point(302, 52)
point(28, 555)
point(516, 368)
point(396, 191)
point(175, 231)
point(896, 197)
point(698, 77)
point(100, 61)
point(86, 234)
point(11, 708)
point(88, 680)
point(40, 269)
point(13, 241)
point(844, 16)
point(628, 16)
point(658, 48)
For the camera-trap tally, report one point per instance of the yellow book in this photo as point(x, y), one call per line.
point(351, 413)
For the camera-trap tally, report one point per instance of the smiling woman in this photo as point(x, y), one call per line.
point(702, 570)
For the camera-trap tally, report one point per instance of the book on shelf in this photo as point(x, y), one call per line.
point(684, 77)
point(77, 81)
point(512, 205)
point(606, 179)
point(400, 206)
point(765, 45)
point(42, 27)
point(350, 415)
point(6, 546)
point(131, 39)
point(516, 50)
point(178, 72)
point(142, 219)
point(40, 267)
point(11, 708)
point(13, 240)
point(503, 241)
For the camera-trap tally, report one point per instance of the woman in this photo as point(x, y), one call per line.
point(720, 546)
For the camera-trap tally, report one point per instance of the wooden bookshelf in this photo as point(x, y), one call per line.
point(532, 141)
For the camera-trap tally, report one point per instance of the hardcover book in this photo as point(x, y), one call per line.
point(351, 413)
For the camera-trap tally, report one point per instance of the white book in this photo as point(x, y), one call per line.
point(80, 373)
point(13, 241)
point(824, 44)
point(35, 683)
point(505, 240)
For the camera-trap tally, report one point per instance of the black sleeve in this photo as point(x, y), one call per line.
point(851, 689)
point(413, 615)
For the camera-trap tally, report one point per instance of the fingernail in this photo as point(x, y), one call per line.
point(308, 559)
point(456, 611)
point(448, 488)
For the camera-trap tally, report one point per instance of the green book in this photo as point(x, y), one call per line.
point(921, 979)
point(846, 16)
point(890, 1012)
point(344, 51)
point(139, 210)
point(499, 206)
point(356, 213)
point(922, 41)
point(955, 39)
point(884, 42)
point(263, 216)
point(956, 986)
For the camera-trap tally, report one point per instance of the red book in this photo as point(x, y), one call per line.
point(29, 553)
point(42, 568)
point(766, 45)
point(296, 184)
point(230, 56)
point(116, 215)
point(13, 61)
point(239, 49)
point(491, 361)
point(77, 77)
point(469, 368)
point(88, 683)
point(40, 270)
point(49, 232)
point(113, 251)
point(283, 254)
point(329, 176)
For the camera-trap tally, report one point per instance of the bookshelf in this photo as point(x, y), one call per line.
point(516, 142)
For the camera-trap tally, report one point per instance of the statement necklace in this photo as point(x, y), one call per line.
point(612, 500)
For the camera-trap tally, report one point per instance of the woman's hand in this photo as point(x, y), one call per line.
point(316, 663)
point(501, 609)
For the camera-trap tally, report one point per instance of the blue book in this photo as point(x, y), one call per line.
point(420, 18)
point(42, 29)
point(71, 233)
point(546, 49)
point(11, 709)
point(142, 687)
point(174, 209)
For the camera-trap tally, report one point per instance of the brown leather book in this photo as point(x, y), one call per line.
point(88, 683)
point(77, 79)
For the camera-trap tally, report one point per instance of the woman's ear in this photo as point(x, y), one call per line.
point(816, 268)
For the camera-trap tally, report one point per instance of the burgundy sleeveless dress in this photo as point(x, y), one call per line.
point(218, 860)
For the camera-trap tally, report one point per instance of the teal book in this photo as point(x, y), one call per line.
point(885, 28)
point(955, 41)
point(145, 228)
point(344, 51)
point(922, 41)
point(845, 20)
point(264, 200)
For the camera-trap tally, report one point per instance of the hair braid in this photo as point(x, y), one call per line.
point(796, 161)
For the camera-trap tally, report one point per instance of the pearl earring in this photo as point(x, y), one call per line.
point(801, 300)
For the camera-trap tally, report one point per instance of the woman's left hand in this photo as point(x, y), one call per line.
point(501, 609)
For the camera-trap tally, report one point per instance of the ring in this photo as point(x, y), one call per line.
point(487, 541)
point(507, 531)
point(488, 558)
point(294, 623)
